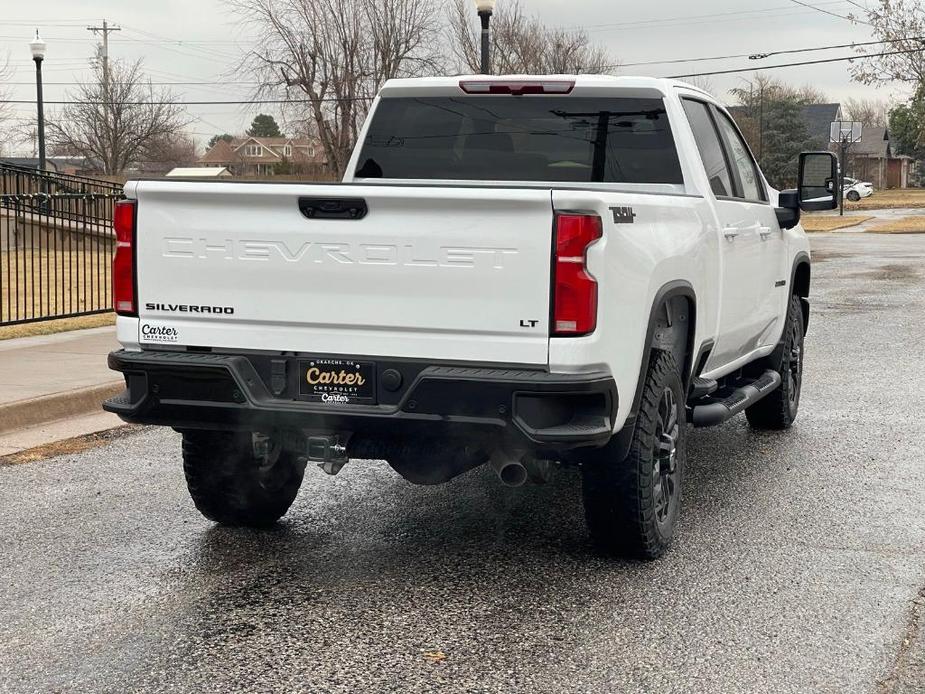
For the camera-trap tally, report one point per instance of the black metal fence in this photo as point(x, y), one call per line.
point(56, 245)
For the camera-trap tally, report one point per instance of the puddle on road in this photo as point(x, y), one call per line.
point(823, 255)
point(852, 307)
point(893, 272)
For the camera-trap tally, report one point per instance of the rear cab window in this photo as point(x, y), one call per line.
point(521, 138)
point(751, 182)
point(730, 167)
point(715, 161)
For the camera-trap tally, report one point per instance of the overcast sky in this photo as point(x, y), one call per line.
point(198, 40)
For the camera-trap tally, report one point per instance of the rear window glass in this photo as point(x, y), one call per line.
point(530, 138)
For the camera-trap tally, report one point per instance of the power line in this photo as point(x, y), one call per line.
point(156, 84)
point(759, 56)
point(831, 14)
point(72, 23)
point(191, 51)
point(264, 102)
point(687, 19)
point(167, 75)
point(756, 68)
point(202, 120)
point(759, 68)
point(193, 45)
point(671, 61)
point(255, 102)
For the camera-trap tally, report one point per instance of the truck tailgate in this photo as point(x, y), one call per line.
point(438, 273)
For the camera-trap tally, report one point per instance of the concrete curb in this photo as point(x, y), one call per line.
point(48, 408)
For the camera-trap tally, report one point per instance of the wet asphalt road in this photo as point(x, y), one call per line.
point(796, 569)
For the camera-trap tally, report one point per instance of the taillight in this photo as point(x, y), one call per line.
point(517, 87)
point(123, 262)
point(574, 289)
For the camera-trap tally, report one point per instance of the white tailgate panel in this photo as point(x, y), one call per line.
point(430, 273)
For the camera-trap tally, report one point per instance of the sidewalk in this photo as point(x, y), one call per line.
point(51, 387)
point(878, 216)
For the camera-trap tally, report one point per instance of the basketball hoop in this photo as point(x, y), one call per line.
point(845, 131)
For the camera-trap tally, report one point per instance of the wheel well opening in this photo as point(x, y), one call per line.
point(672, 327)
point(689, 352)
point(801, 279)
point(675, 329)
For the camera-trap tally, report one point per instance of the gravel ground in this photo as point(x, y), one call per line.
point(797, 568)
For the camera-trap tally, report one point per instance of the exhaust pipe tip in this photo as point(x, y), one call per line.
point(512, 473)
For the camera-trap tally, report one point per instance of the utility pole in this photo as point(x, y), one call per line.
point(105, 30)
point(104, 56)
point(841, 174)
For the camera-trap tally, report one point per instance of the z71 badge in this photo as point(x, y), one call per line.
point(623, 215)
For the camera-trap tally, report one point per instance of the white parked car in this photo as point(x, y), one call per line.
point(855, 190)
point(518, 271)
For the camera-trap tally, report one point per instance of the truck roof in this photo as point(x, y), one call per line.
point(586, 84)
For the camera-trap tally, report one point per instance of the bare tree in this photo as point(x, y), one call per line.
point(901, 25)
point(703, 83)
point(873, 113)
point(809, 94)
point(764, 88)
point(771, 118)
point(522, 44)
point(170, 151)
point(115, 124)
point(6, 73)
point(335, 54)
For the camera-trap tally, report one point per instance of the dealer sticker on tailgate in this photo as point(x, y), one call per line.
point(337, 381)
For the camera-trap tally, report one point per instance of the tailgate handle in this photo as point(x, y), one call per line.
point(333, 208)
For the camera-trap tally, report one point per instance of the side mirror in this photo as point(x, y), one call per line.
point(788, 209)
point(818, 183)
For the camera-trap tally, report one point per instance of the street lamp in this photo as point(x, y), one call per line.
point(38, 55)
point(485, 8)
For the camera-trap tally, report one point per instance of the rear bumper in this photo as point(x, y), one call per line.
point(522, 408)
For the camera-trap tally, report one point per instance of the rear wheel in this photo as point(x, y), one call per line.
point(240, 478)
point(632, 505)
point(853, 195)
point(779, 409)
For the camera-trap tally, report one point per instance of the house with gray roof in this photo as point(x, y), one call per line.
point(872, 159)
point(819, 119)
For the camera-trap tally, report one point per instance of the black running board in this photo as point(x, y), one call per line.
point(716, 411)
point(701, 388)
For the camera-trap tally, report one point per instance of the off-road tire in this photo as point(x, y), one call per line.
point(622, 500)
point(853, 195)
point(231, 486)
point(778, 409)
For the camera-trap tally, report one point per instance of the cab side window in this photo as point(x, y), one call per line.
point(711, 149)
point(752, 184)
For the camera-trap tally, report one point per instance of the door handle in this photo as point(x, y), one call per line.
point(333, 208)
point(764, 233)
point(731, 232)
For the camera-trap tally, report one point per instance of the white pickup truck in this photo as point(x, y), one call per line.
point(521, 271)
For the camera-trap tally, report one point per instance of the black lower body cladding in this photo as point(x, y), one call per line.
point(519, 408)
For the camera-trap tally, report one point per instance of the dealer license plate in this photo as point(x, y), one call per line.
point(337, 381)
